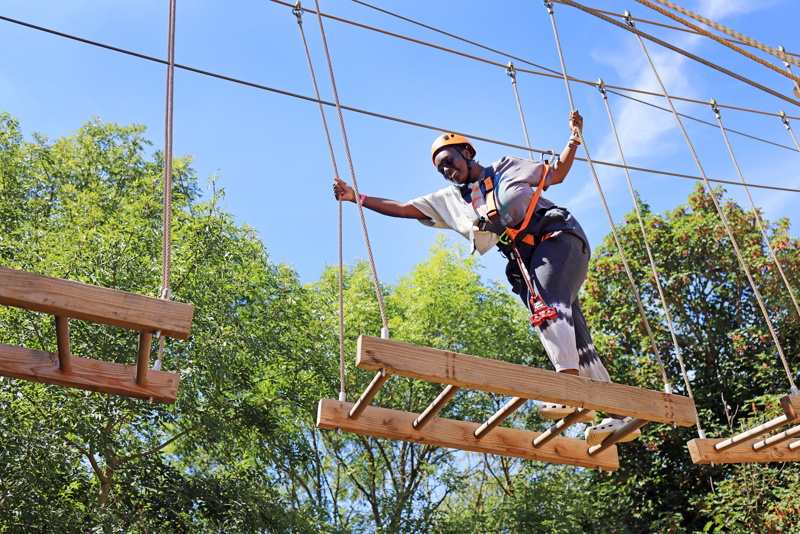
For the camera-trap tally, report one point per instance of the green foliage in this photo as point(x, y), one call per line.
point(723, 340)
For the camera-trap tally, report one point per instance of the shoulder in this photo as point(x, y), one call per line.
point(508, 164)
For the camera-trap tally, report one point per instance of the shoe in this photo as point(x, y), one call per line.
point(597, 433)
point(548, 410)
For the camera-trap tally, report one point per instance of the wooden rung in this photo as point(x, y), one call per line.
point(377, 383)
point(703, 452)
point(499, 416)
point(786, 435)
point(791, 412)
point(558, 428)
point(398, 425)
point(618, 435)
point(76, 300)
point(92, 375)
point(143, 357)
point(515, 380)
point(62, 341)
point(434, 407)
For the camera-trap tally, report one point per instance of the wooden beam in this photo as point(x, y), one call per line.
point(434, 365)
point(92, 375)
point(395, 424)
point(703, 452)
point(76, 300)
point(791, 407)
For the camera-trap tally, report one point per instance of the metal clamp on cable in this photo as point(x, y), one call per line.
point(549, 5)
point(511, 72)
point(297, 11)
point(714, 108)
point(602, 88)
point(628, 19)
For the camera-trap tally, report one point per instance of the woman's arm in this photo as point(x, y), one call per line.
point(564, 162)
point(384, 206)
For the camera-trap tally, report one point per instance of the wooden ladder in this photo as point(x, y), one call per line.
point(65, 299)
point(746, 447)
point(520, 382)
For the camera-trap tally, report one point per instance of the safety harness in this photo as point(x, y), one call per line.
point(540, 311)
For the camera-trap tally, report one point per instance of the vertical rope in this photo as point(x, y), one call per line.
point(685, 375)
point(166, 246)
point(298, 12)
point(720, 211)
point(654, 347)
point(513, 74)
point(760, 223)
point(353, 176)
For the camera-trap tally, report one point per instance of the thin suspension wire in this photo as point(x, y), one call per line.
point(166, 253)
point(719, 39)
point(752, 42)
point(298, 12)
point(646, 323)
point(671, 27)
point(722, 217)
point(353, 175)
point(513, 74)
point(755, 211)
point(653, 267)
point(682, 52)
point(286, 93)
point(791, 132)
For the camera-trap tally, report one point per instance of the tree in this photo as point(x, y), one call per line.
point(88, 208)
point(725, 344)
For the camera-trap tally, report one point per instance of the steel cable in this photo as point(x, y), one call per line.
point(646, 323)
point(298, 12)
point(722, 217)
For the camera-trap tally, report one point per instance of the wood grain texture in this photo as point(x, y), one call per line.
point(703, 452)
point(791, 407)
point(92, 375)
point(86, 302)
point(434, 365)
point(397, 425)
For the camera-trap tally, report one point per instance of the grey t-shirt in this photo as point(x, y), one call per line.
point(516, 179)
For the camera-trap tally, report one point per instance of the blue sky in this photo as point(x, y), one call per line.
point(269, 152)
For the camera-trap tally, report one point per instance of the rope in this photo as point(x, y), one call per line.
point(166, 253)
point(755, 211)
point(677, 28)
point(298, 12)
point(722, 217)
point(752, 42)
point(650, 256)
point(667, 386)
point(717, 38)
point(513, 74)
point(682, 52)
point(353, 175)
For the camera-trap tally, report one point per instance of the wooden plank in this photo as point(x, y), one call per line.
point(434, 365)
point(86, 302)
point(703, 452)
point(791, 407)
point(395, 424)
point(92, 375)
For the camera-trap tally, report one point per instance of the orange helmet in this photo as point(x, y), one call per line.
point(447, 140)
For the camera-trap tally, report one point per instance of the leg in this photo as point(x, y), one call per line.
point(558, 267)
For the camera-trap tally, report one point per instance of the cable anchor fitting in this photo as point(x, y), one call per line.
point(628, 18)
point(297, 11)
point(602, 88)
point(782, 115)
point(549, 5)
point(511, 72)
point(714, 108)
